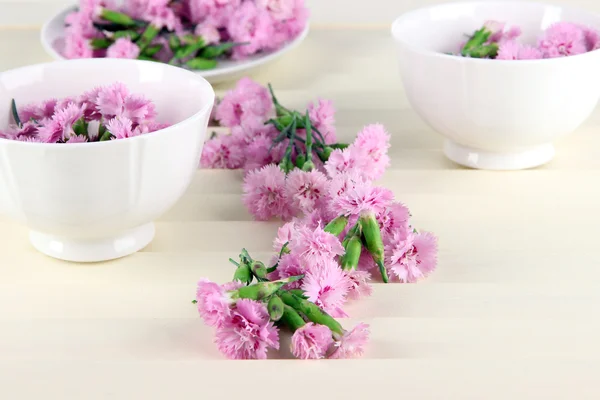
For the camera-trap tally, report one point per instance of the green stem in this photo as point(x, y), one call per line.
point(312, 312)
point(309, 165)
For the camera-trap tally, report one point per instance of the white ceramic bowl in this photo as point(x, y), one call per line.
point(96, 201)
point(53, 33)
point(495, 114)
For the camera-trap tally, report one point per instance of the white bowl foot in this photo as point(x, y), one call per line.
point(93, 250)
point(480, 159)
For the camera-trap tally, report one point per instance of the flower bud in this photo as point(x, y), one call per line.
point(337, 226)
point(263, 290)
point(116, 17)
point(327, 153)
point(199, 63)
point(259, 269)
point(275, 308)
point(374, 243)
point(300, 160)
point(243, 274)
point(308, 166)
point(353, 249)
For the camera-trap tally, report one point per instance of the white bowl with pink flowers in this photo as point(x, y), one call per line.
point(504, 113)
point(88, 202)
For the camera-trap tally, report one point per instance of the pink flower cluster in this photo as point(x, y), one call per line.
point(560, 39)
point(245, 110)
point(104, 113)
point(107, 28)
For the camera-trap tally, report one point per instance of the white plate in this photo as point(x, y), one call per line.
point(53, 33)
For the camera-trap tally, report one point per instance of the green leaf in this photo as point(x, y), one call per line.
point(199, 63)
point(132, 35)
point(15, 113)
point(174, 43)
point(80, 127)
point(188, 50)
point(152, 50)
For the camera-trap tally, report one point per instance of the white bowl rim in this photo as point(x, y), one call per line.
point(239, 67)
point(194, 76)
point(515, 63)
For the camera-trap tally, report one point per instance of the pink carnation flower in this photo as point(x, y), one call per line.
point(315, 247)
point(344, 161)
point(327, 286)
point(284, 235)
point(77, 139)
point(76, 46)
point(499, 35)
point(122, 128)
point(208, 32)
point(512, 50)
point(28, 130)
point(216, 12)
point(37, 111)
point(563, 39)
point(214, 303)
point(247, 333)
point(394, 217)
point(252, 25)
point(280, 10)
point(373, 142)
point(290, 28)
point(363, 199)
point(360, 284)
point(222, 152)
point(66, 117)
point(411, 256)
point(311, 341)
point(264, 193)
point(353, 343)
point(290, 265)
point(306, 190)
point(248, 103)
point(123, 48)
point(322, 116)
point(260, 150)
point(366, 262)
point(592, 38)
point(116, 101)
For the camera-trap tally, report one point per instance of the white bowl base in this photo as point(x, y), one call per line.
point(93, 250)
point(480, 159)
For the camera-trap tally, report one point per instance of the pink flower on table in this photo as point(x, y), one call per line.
point(563, 39)
point(311, 341)
point(251, 25)
point(306, 190)
point(513, 50)
point(248, 103)
point(77, 139)
point(394, 217)
point(315, 246)
point(353, 343)
point(209, 32)
point(366, 262)
point(363, 199)
point(343, 161)
point(123, 48)
point(327, 285)
point(360, 284)
point(284, 235)
point(372, 145)
point(222, 152)
point(76, 46)
point(247, 333)
point(214, 302)
point(264, 193)
point(411, 256)
point(290, 265)
point(322, 115)
point(260, 150)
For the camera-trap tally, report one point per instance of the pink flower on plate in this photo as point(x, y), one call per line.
point(513, 50)
point(315, 246)
point(563, 39)
point(411, 256)
point(311, 341)
point(280, 10)
point(327, 286)
point(363, 199)
point(247, 333)
point(216, 12)
point(353, 343)
point(209, 32)
point(322, 115)
point(290, 28)
point(306, 190)
point(214, 302)
point(76, 46)
point(251, 25)
point(264, 193)
point(222, 152)
point(360, 284)
point(123, 48)
point(248, 103)
point(77, 139)
point(373, 141)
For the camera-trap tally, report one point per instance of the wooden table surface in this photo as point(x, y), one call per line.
point(511, 312)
